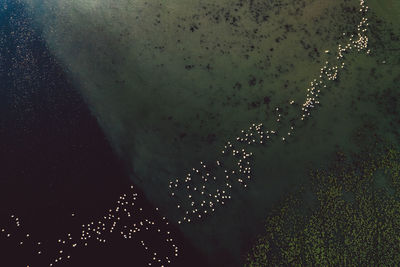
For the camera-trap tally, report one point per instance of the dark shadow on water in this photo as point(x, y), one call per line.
point(55, 158)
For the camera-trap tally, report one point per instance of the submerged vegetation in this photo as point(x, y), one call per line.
point(355, 219)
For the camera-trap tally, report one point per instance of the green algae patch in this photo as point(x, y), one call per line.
point(355, 222)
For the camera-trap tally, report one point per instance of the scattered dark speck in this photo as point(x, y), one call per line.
point(193, 28)
point(252, 81)
point(237, 85)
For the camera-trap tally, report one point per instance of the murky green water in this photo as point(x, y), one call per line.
point(171, 82)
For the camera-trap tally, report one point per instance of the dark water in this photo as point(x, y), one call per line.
point(54, 158)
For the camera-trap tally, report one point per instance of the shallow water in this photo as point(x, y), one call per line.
point(170, 83)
